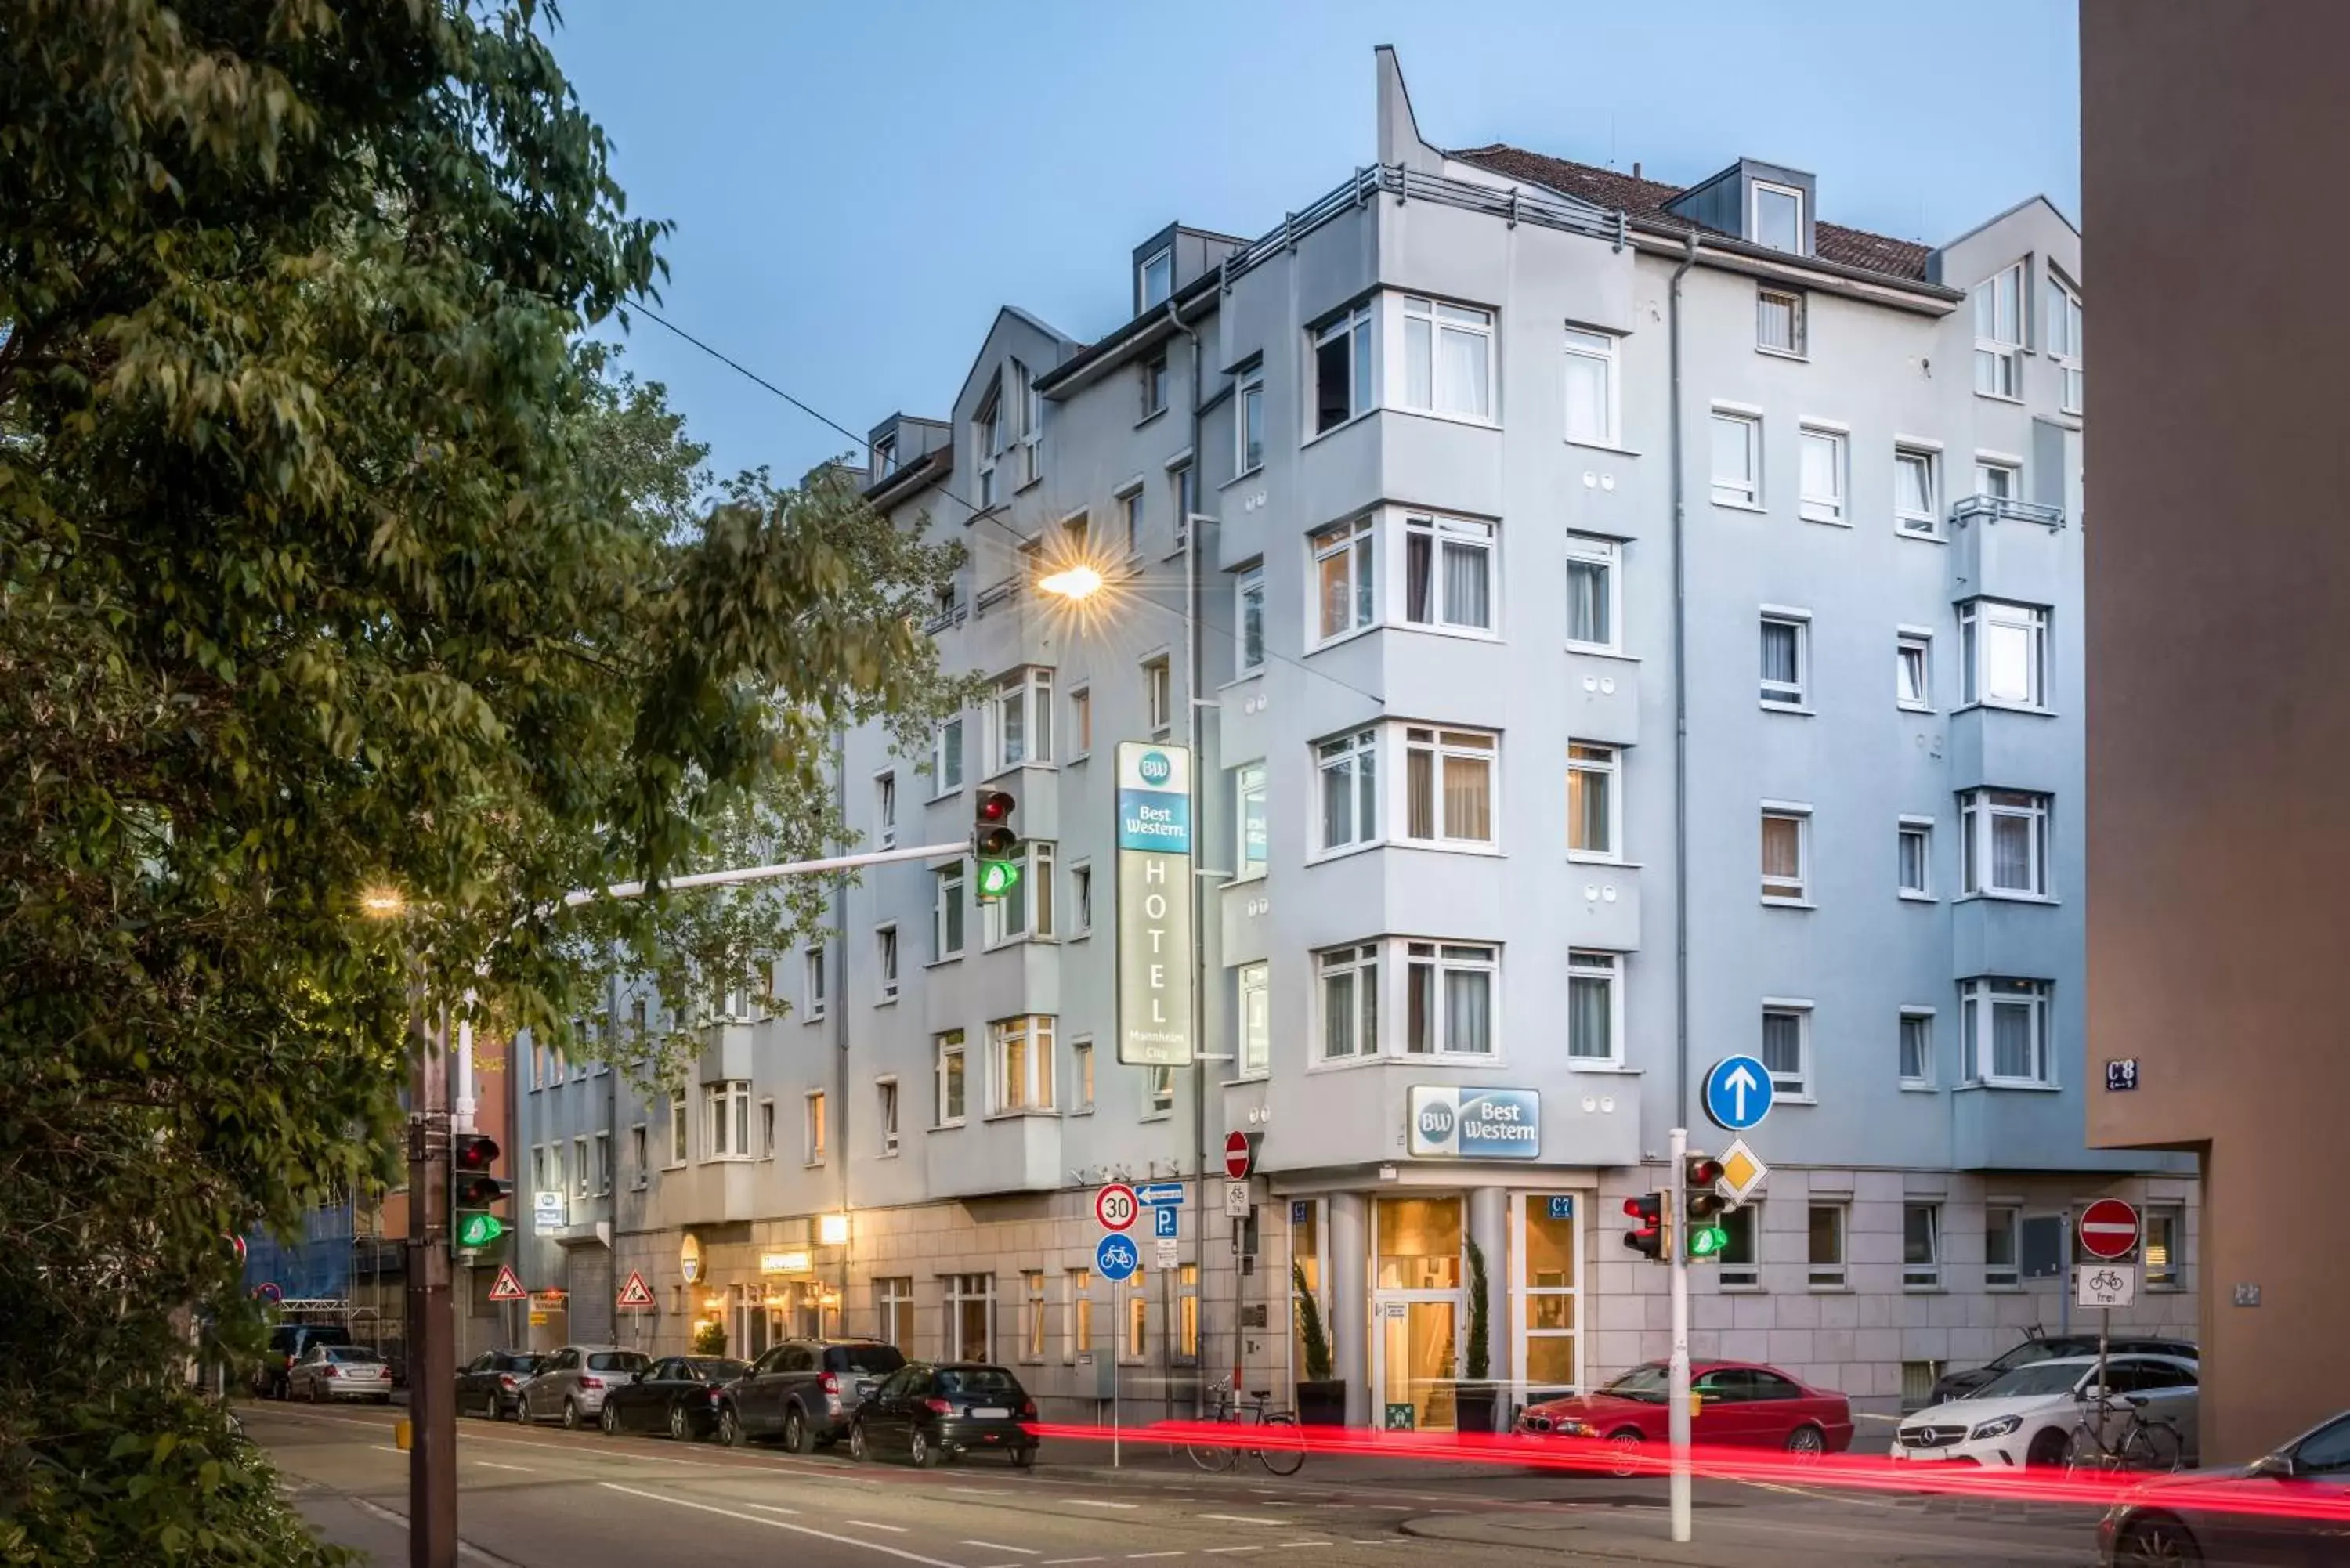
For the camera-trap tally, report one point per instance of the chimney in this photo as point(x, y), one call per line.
point(1635, 169)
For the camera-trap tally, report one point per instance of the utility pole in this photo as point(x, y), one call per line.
point(432, 1358)
point(1678, 1389)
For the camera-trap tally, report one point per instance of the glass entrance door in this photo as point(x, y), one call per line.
point(1417, 1350)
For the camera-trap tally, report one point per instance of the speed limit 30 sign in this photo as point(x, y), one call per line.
point(1116, 1205)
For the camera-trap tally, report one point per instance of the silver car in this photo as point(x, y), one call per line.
point(570, 1385)
point(339, 1372)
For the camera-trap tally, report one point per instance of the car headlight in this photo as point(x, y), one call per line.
point(1999, 1428)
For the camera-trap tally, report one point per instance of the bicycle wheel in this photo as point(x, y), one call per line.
point(1284, 1461)
point(2086, 1450)
point(2151, 1446)
point(1212, 1456)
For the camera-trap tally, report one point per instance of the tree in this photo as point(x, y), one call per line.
point(332, 558)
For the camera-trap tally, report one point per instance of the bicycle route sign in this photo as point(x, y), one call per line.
point(2107, 1285)
point(1116, 1259)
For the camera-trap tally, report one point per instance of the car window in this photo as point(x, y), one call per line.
point(564, 1360)
point(1728, 1385)
point(523, 1363)
point(2038, 1380)
point(346, 1353)
point(1770, 1386)
point(977, 1380)
point(1648, 1382)
point(866, 1360)
point(616, 1361)
point(900, 1383)
point(2326, 1451)
point(711, 1369)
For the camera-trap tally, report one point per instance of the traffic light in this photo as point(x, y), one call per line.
point(473, 1193)
point(994, 846)
point(1701, 1205)
point(1647, 1236)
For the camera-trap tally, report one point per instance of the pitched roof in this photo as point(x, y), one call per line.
point(1644, 201)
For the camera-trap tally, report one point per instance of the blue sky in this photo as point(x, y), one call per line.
point(857, 186)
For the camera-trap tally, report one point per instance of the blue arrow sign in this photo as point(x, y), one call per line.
point(1738, 1093)
point(1116, 1259)
point(1150, 1194)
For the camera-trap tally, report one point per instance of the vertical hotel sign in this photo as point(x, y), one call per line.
point(1154, 905)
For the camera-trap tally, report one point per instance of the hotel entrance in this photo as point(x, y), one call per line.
point(1417, 1313)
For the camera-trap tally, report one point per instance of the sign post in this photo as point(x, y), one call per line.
point(1154, 905)
point(1676, 1415)
point(1115, 1260)
point(2108, 1231)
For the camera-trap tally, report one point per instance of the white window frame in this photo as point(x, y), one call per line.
point(1800, 1085)
point(1794, 891)
point(1032, 1315)
point(1591, 761)
point(2007, 1218)
point(1078, 1314)
point(2064, 340)
point(1906, 517)
point(725, 1120)
point(1248, 619)
point(1437, 963)
point(1592, 967)
point(949, 912)
point(1835, 1276)
point(1360, 960)
point(894, 1296)
point(1081, 897)
point(1159, 694)
point(1999, 334)
point(1431, 752)
point(1746, 1273)
point(1979, 1000)
point(885, 809)
point(1028, 692)
point(1129, 515)
point(957, 1291)
point(2000, 478)
point(1787, 696)
point(1741, 490)
point(886, 957)
point(1158, 1098)
point(641, 1157)
point(2170, 1274)
point(1254, 989)
point(813, 995)
point(1978, 619)
point(1249, 787)
point(1427, 325)
point(1354, 754)
point(1441, 536)
point(1081, 1075)
point(1156, 378)
point(1161, 258)
point(1755, 191)
point(1028, 1088)
point(946, 758)
point(1604, 349)
point(681, 1136)
point(767, 1128)
point(816, 1127)
point(1913, 653)
point(1025, 913)
point(1924, 1275)
point(1792, 300)
point(1248, 423)
point(888, 1105)
point(1356, 543)
point(950, 1045)
point(1183, 478)
point(1923, 1017)
point(1979, 813)
point(1355, 325)
point(1031, 409)
point(1081, 722)
point(1832, 503)
point(1605, 556)
point(987, 440)
point(1921, 829)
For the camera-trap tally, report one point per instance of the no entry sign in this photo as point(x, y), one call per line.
point(1240, 1156)
point(2109, 1229)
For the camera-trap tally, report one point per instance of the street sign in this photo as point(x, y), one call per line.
point(1236, 1200)
point(636, 1295)
point(1166, 1252)
point(1163, 1221)
point(1116, 1259)
point(1240, 1156)
point(508, 1285)
point(1738, 1093)
point(2121, 1074)
point(2105, 1284)
point(1741, 1171)
point(2109, 1229)
point(268, 1291)
point(1115, 1206)
point(1154, 1027)
point(1151, 1194)
point(547, 1210)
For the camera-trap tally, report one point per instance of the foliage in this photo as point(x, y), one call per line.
point(332, 556)
point(710, 1339)
point(1309, 1327)
point(1480, 1355)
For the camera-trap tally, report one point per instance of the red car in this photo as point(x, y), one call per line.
point(1740, 1405)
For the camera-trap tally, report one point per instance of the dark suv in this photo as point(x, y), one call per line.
point(288, 1343)
point(804, 1391)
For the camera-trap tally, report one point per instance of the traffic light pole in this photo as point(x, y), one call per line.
point(432, 1354)
point(1678, 1389)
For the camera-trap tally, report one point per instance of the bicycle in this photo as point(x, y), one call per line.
point(2146, 1442)
point(1217, 1457)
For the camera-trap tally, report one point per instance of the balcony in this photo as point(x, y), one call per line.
point(1013, 1153)
point(2010, 549)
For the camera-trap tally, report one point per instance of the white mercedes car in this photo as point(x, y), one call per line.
point(2027, 1416)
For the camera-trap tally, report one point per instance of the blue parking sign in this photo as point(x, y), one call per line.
point(1163, 1218)
point(1116, 1259)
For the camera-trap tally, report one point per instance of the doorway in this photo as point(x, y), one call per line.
point(1416, 1310)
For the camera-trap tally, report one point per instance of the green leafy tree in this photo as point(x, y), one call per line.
point(1480, 1354)
point(333, 557)
point(1309, 1327)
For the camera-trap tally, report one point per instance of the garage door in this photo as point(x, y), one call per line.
point(590, 1283)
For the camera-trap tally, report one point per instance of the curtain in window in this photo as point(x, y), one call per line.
point(1417, 579)
point(1468, 798)
point(1337, 805)
point(1462, 377)
point(1909, 488)
point(1466, 593)
point(1587, 810)
point(1337, 593)
point(1783, 1043)
point(1587, 602)
point(1468, 1011)
point(1419, 1007)
point(1338, 1014)
point(1013, 1071)
point(1779, 652)
point(1590, 1018)
point(1587, 397)
point(1776, 326)
point(1419, 793)
point(1783, 857)
point(2011, 853)
point(2010, 1041)
point(1914, 1040)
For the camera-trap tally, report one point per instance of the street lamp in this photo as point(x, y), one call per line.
point(381, 903)
point(1076, 583)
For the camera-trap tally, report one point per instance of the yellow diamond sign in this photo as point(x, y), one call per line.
point(1741, 1171)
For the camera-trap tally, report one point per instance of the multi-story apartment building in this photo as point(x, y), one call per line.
point(1618, 625)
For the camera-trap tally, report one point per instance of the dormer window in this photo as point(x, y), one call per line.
point(1777, 217)
point(1156, 279)
point(885, 457)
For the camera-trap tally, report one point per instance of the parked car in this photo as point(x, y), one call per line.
point(2160, 1522)
point(2026, 1416)
point(2050, 1347)
point(927, 1411)
point(804, 1391)
point(339, 1372)
point(1740, 1405)
point(679, 1395)
point(288, 1343)
point(570, 1385)
point(490, 1385)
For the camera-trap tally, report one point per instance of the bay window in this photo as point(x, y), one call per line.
point(1349, 1001)
point(2003, 654)
point(2005, 1029)
point(1346, 579)
point(2004, 840)
point(1449, 995)
point(1349, 769)
point(1020, 720)
point(1448, 785)
point(1447, 353)
point(726, 1120)
point(1342, 369)
point(1447, 573)
point(1020, 1053)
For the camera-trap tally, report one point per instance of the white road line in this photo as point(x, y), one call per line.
point(1242, 1518)
point(771, 1507)
point(1302, 1544)
point(999, 1546)
point(1221, 1550)
point(493, 1465)
point(869, 1524)
point(1059, 1562)
point(779, 1525)
point(977, 1490)
point(464, 1548)
point(386, 1449)
point(1138, 1556)
point(1095, 1502)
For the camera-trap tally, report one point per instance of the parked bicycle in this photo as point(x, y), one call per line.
point(2146, 1442)
point(1285, 1460)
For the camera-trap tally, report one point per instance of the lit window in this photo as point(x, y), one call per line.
point(1822, 499)
point(1248, 787)
point(1914, 491)
point(1785, 853)
point(1448, 783)
point(967, 1331)
point(2003, 654)
point(1913, 685)
point(1345, 579)
point(1999, 334)
point(1787, 1046)
point(1248, 426)
point(1349, 986)
point(1785, 660)
point(2005, 835)
point(1137, 1339)
point(1737, 460)
point(813, 1131)
point(1156, 279)
point(1449, 573)
point(947, 913)
point(1824, 1250)
point(1349, 769)
point(1077, 1301)
point(1020, 1052)
point(2165, 1247)
point(1081, 1074)
point(1591, 401)
point(1032, 1314)
point(1593, 585)
point(1591, 814)
point(1921, 1246)
point(1448, 351)
point(1778, 217)
point(2064, 339)
point(947, 1107)
point(1594, 1007)
point(1916, 856)
point(1916, 1046)
point(2004, 1030)
point(1256, 1020)
point(1448, 998)
point(1342, 369)
point(1779, 322)
point(1248, 617)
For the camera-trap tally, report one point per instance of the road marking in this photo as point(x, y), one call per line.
point(978, 1491)
point(464, 1548)
point(1220, 1551)
point(869, 1524)
point(779, 1525)
point(1095, 1502)
point(999, 1546)
point(1242, 1518)
point(1303, 1543)
point(771, 1507)
point(493, 1465)
point(1058, 1562)
point(1138, 1556)
point(386, 1449)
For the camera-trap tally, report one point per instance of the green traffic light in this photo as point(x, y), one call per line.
point(478, 1231)
point(997, 877)
point(1707, 1241)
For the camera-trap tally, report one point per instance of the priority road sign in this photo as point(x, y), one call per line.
point(1116, 1205)
point(1738, 1093)
point(1115, 1259)
point(2109, 1229)
point(636, 1294)
point(1743, 1171)
point(508, 1285)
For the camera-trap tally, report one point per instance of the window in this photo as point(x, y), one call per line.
point(1821, 500)
point(885, 955)
point(2064, 339)
point(1591, 403)
point(1159, 694)
point(949, 1104)
point(1020, 720)
point(1921, 1246)
point(1342, 369)
point(555, 1169)
point(1448, 996)
point(1021, 1059)
point(886, 1107)
point(1129, 519)
point(2004, 1025)
point(946, 757)
point(1156, 279)
point(1786, 855)
point(2164, 1248)
point(1349, 1001)
point(1081, 1074)
point(1999, 481)
point(2005, 836)
point(968, 1326)
point(1737, 460)
point(1077, 1301)
point(813, 1128)
point(1778, 217)
point(1593, 584)
point(1249, 821)
point(2003, 654)
point(1779, 322)
point(1183, 482)
point(1913, 684)
point(1187, 1312)
point(1025, 909)
point(885, 457)
point(1999, 334)
point(1825, 1251)
point(1594, 1008)
point(1030, 406)
point(1350, 796)
point(987, 437)
point(639, 1155)
point(2002, 1230)
point(766, 1129)
point(1158, 1092)
point(726, 1120)
point(1248, 619)
point(603, 1163)
point(813, 960)
point(1448, 578)
point(1741, 1258)
point(1081, 891)
point(1916, 844)
point(1914, 490)
point(946, 913)
point(1591, 801)
point(1784, 660)
point(1135, 1342)
point(1081, 723)
point(1448, 783)
point(1248, 422)
point(1787, 1046)
point(677, 1122)
point(1032, 1314)
point(1154, 385)
point(1448, 358)
point(1256, 980)
point(893, 1300)
point(580, 1173)
point(1345, 579)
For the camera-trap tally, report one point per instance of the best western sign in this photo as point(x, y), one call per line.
point(1449, 1122)
point(1154, 905)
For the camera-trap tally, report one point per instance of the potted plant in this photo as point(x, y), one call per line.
point(1321, 1398)
point(710, 1339)
point(1476, 1398)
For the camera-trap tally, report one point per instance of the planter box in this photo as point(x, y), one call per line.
point(1322, 1403)
point(1476, 1406)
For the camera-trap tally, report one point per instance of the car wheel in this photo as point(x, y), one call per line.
point(796, 1432)
point(730, 1427)
point(857, 1452)
point(2048, 1450)
point(679, 1429)
point(571, 1415)
point(2157, 1544)
point(1807, 1442)
point(383, 1398)
point(917, 1450)
point(1624, 1453)
point(609, 1420)
point(490, 1411)
point(1023, 1459)
point(314, 1391)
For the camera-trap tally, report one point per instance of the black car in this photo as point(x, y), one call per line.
point(804, 1391)
point(2248, 1515)
point(926, 1411)
point(490, 1385)
point(289, 1342)
point(2048, 1347)
point(678, 1395)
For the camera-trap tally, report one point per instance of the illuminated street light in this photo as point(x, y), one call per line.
point(383, 903)
point(1075, 583)
point(832, 1229)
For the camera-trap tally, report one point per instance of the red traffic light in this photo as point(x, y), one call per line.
point(471, 1151)
point(1703, 1170)
point(991, 837)
point(1647, 1236)
point(994, 805)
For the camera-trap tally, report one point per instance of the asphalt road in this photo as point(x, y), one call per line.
point(540, 1498)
